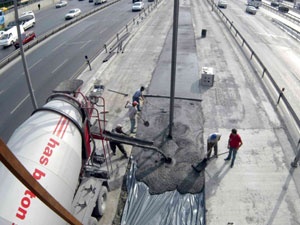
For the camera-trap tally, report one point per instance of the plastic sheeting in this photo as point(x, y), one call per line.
point(169, 208)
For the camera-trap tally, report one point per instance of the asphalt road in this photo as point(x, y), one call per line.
point(50, 18)
point(56, 60)
point(278, 50)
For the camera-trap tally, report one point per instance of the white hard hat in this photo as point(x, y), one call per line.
point(119, 125)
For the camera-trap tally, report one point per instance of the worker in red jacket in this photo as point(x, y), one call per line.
point(234, 143)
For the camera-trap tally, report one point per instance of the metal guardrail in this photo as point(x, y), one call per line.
point(116, 42)
point(265, 72)
point(288, 16)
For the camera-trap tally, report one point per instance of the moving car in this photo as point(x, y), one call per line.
point(283, 8)
point(222, 4)
point(274, 3)
point(137, 6)
point(251, 9)
point(26, 37)
point(10, 36)
point(97, 2)
point(72, 13)
point(27, 19)
point(61, 4)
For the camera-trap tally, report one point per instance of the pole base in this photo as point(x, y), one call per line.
point(293, 164)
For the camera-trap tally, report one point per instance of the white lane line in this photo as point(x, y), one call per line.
point(35, 63)
point(24, 99)
point(53, 50)
point(86, 43)
point(53, 71)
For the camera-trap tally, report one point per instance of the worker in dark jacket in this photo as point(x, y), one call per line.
point(114, 144)
point(137, 96)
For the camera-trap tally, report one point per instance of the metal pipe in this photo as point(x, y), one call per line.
point(173, 65)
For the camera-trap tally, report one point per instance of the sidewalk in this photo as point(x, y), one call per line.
point(262, 188)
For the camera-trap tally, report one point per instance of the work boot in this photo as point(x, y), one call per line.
point(226, 159)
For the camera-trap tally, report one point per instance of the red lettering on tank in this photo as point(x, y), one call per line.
point(21, 214)
point(30, 194)
point(25, 202)
point(52, 143)
point(44, 160)
point(38, 174)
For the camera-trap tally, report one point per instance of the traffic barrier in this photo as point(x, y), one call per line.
point(266, 76)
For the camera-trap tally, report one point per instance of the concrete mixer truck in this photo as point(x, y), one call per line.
point(62, 147)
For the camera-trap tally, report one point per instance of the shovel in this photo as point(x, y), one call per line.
point(201, 165)
point(146, 123)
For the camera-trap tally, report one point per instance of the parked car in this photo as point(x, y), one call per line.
point(137, 6)
point(61, 4)
point(72, 13)
point(251, 9)
point(27, 19)
point(26, 37)
point(283, 8)
point(274, 3)
point(222, 4)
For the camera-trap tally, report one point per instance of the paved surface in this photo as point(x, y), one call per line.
point(261, 188)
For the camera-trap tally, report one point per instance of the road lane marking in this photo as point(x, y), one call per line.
point(53, 50)
point(24, 99)
point(86, 43)
point(53, 71)
point(35, 63)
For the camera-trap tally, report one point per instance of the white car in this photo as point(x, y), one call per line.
point(137, 6)
point(222, 4)
point(72, 13)
point(61, 4)
point(27, 19)
point(251, 9)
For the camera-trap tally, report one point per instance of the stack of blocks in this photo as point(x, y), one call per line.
point(207, 76)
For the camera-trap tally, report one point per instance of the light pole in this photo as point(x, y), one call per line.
point(173, 65)
point(23, 57)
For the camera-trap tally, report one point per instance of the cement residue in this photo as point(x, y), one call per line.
point(185, 147)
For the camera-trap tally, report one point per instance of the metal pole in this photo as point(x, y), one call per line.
point(173, 65)
point(296, 160)
point(23, 57)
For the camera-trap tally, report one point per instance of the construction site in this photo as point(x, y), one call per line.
point(182, 104)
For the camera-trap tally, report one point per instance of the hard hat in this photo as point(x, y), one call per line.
point(135, 103)
point(119, 126)
point(214, 136)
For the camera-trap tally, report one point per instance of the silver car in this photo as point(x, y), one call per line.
point(251, 9)
point(72, 13)
point(137, 6)
point(222, 4)
point(61, 4)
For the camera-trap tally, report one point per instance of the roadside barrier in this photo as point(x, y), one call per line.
point(275, 92)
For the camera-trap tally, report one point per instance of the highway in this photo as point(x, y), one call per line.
point(63, 54)
point(278, 50)
point(55, 60)
point(50, 18)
